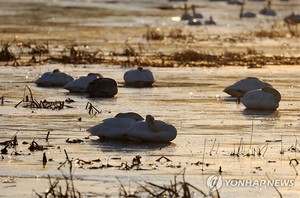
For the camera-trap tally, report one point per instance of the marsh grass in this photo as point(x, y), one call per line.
point(78, 55)
point(92, 110)
point(59, 191)
point(176, 188)
point(29, 101)
point(6, 54)
point(142, 54)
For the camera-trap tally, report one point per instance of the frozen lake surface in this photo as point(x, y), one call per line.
point(189, 98)
point(214, 132)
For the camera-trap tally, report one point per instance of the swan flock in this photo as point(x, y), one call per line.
point(251, 92)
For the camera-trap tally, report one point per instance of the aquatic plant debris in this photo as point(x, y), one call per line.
point(28, 101)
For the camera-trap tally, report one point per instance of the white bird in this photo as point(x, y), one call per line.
point(241, 87)
point(54, 79)
point(79, 85)
point(266, 98)
point(115, 128)
point(246, 14)
point(195, 14)
point(102, 87)
point(195, 19)
point(139, 78)
point(130, 126)
point(268, 11)
point(185, 16)
point(194, 22)
point(292, 19)
point(152, 130)
point(210, 21)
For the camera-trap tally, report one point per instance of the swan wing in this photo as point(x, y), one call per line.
point(115, 128)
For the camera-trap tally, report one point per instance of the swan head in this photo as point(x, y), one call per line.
point(151, 124)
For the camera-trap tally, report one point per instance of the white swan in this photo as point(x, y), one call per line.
point(79, 85)
point(185, 16)
point(194, 22)
point(54, 79)
point(117, 127)
point(246, 14)
point(241, 87)
point(102, 87)
point(131, 127)
point(292, 22)
point(152, 130)
point(268, 11)
point(266, 98)
point(139, 78)
point(195, 18)
point(195, 14)
point(292, 19)
point(210, 21)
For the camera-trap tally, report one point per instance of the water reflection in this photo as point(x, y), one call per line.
point(129, 146)
point(261, 113)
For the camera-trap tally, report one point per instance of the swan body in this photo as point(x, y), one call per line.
point(185, 16)
point(79, 85)
point(266, 98)
point(54, 79)
point(102, 87)
point(139, 78)
point(241, 87)
point(152, 131)
point(113, 128)
point(194, 22)
point(292, 19)
point(246, 14)
point(210, 21)
point(268, 11)
point(234, 2)
point(195, 14)
point(131, 115)
point(129, 128)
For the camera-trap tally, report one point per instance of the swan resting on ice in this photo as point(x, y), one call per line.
point(79, 85)
point(138, 78)
point(266, 98)
point(54, 79)
point(130, 126)
point(241, 87)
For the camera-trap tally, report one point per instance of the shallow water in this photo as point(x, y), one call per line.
point(189, 98)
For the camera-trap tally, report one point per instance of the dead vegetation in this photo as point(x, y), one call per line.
point(6, 54)
point(56, 189)
point(250, 58)
point(92, 110)
point(176, 188)
point(19, 53)
point(78, 55)
point(29, 101)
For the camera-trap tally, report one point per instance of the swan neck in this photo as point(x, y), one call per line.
point(151, 125)
point(242, 11)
